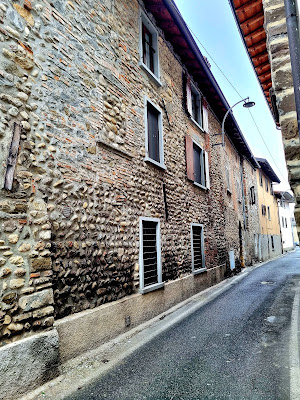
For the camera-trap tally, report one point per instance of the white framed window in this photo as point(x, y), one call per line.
point(150, 255)
point(194, 104)
point(148, 48)
point(252, 195)
point(260, 179)
point(154, 134)
point(267, 184)
point(197, 242)
point(197, 164)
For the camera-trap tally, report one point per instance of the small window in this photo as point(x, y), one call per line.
point(272, 242)
point(267, 184)
point(199, 173)
point(252, 195)
point(285, 222)
point(198, 257)
point(150, 255)
point(194, 104)
point(263, 210)
point(269, 214)
point(197, 164)
point(154, 134)
point(149, 48)
point(282, 219)
point(260, 179)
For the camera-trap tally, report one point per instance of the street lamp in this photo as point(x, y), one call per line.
point(247, 104)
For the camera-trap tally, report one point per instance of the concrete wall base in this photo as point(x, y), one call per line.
point(89, 329)
point(28, 364)
point(266, 251)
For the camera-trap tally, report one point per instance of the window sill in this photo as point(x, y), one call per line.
point(157, 164)
point(197, 124)
point(199, 271)
point(151, 288)
point(200, 186)
point(150, 73)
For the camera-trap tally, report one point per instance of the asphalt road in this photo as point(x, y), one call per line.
point(235, 347)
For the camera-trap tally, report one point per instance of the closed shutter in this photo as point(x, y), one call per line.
point(150, 252)
point(153, 133)
point(189, 152)
point(207, 180)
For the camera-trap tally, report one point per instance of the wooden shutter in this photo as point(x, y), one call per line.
point(205, 115)
point(189, 152)
point(189, 105)
point(207, 180)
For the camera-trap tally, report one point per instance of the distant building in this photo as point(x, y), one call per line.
point(286, 204)
point(273, 46)
point(269, 238)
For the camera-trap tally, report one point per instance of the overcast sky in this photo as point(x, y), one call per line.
point(213, 24)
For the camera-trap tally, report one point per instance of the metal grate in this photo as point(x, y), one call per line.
point(197, 247)
point(150, 253)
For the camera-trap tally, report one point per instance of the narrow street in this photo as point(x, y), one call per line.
point(235, 347)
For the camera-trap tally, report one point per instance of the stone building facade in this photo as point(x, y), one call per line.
point(269, 239)
point(84, 181)
point(263, 28)
point(286, 204)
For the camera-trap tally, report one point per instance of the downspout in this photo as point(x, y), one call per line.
point(294, 44)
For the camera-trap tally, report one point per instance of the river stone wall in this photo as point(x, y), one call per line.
point(73, 87)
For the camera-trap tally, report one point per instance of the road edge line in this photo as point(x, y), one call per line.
point(294, 350)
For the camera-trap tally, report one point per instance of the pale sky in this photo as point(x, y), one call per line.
point(213, 24)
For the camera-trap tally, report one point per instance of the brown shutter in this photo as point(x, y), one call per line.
point(189, 151)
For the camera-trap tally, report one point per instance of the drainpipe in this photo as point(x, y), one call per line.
point(294, 44)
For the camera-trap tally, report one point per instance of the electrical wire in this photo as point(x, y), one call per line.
point(262, 138)
point(258, 130)
point(196, 38)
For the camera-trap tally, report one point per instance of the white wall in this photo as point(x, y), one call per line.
point(286, 213)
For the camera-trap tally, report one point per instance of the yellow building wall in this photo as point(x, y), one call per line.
point(267, 226)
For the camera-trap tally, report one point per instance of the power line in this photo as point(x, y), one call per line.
point(258, 130)
point(196, 38)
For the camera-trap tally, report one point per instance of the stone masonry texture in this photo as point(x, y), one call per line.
point(279, 54)
point(69, 227)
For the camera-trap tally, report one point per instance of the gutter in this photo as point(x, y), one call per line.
point(294, 45)
point(173, 10)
